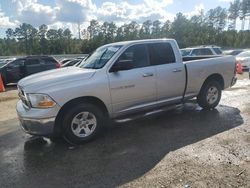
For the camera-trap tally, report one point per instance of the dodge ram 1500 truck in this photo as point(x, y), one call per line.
point(119, 80)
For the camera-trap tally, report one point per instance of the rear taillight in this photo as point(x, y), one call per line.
point(238, 67)
point(58, 65)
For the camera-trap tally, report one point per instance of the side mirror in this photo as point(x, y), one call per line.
point(122, 65)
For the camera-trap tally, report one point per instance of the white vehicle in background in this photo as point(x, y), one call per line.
point(244, 59)
point(201, 51)
point(234, 52)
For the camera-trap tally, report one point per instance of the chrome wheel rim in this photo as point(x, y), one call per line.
point(83, 124)
point(212, 95)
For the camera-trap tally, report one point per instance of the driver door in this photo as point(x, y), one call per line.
point(133, 89)
point(14, 71)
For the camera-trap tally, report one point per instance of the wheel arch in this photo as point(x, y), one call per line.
point(216, 77)
point(88, 99)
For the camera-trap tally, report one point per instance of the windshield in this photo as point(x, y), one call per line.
point(2, 63)
point(100, 57)
point(185, 52)
point(244, 54)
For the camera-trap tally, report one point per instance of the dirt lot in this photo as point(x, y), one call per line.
point(185, 147)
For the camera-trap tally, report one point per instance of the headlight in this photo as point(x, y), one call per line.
point(40, 101)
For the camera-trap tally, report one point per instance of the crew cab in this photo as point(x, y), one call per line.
point(116, 81)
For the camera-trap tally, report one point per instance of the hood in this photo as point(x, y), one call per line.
point(54, 77)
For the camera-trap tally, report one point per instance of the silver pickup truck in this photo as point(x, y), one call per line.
point(119, 80)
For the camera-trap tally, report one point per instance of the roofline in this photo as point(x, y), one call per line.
point(139, 41)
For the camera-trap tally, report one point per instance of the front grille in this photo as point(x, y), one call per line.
point(21, 95)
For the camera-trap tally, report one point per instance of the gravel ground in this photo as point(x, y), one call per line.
point(219, 161)
point(186, 147)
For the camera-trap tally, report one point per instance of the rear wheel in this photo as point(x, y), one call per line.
point(210, 95)
point(82, 123)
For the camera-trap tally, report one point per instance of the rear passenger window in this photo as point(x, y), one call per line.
point(161, 53)
point(48, 61)
point(32, 62)
point(137, 54)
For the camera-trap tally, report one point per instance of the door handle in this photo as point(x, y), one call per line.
point(148, 75)
point(177, 70)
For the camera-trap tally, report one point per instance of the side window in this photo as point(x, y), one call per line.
point(161, 53)
point(196, 52)
point(16, 63)
point(47, 61)
point(30, 62)
point(206, 51)
point(137, 54)
point(202, 51)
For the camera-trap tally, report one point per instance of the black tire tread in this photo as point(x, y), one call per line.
point(201, 98)
point(67, 133)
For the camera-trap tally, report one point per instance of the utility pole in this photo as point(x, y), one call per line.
point(79, 30)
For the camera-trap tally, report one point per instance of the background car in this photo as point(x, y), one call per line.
point(244, 59)
point(71, 63)
point(66, 60)
point(233, 52)
point(15, 70)
point(201, 51)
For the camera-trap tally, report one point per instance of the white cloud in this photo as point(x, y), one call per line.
point(126, 12)
point(67, 13)
point(32, 12)
point(5, 21)
point(197, 10)
point(74, 11)
point(226, 1)
point(82, 11)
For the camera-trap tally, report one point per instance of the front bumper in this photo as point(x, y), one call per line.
point(37, 121)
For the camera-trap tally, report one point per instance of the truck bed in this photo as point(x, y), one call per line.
point(198, 69)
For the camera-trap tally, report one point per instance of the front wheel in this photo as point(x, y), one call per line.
point(82, 123)
point(210, 95)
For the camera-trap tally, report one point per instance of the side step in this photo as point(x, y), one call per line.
point(146, 114)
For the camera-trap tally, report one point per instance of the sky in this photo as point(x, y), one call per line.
point(67, 13)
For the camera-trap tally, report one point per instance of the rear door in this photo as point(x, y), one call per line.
point(133, 89)
point(170, 74)
point(32, 65)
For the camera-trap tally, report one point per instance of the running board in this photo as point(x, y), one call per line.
point(146, 114)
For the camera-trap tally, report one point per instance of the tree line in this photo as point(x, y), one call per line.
point(217, 26)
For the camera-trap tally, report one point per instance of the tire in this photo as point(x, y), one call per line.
point(210, 95)
point(82, 123)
